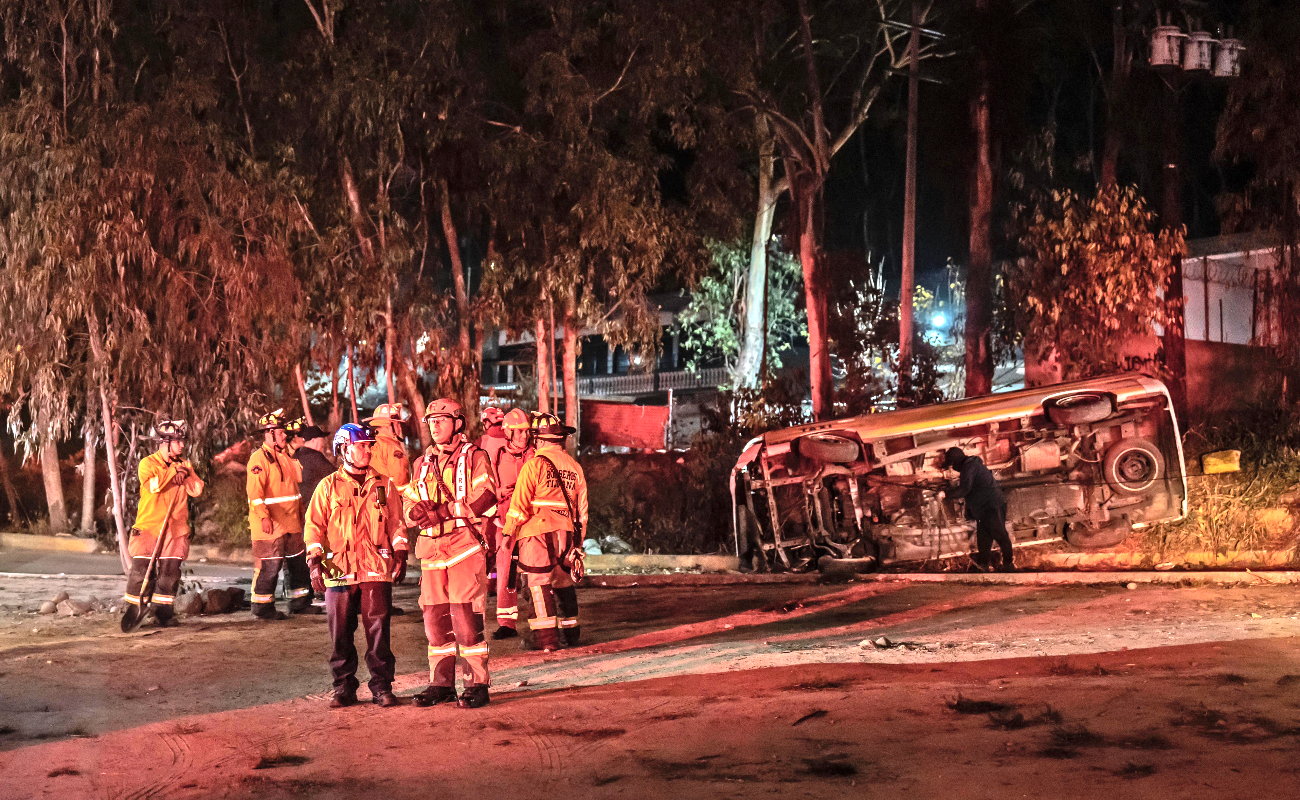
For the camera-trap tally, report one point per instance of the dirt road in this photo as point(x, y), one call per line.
point(729, 691)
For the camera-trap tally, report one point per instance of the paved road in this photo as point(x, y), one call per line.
point(41, 562)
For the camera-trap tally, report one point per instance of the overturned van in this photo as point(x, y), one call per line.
point(1086, 462)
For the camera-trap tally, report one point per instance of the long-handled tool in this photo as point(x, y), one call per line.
point(133, 615)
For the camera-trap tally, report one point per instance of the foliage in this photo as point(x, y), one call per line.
point(1260, 130)
point(1090, 276)
point(711, 325)
point(1225, 512)
point(865, 334)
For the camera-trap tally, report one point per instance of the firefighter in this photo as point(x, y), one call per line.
point(275, 519)
point(356, 531)
point(388, 456)
point(162, 474)
point(507, 461)
point(548, 513)
point(451, 490)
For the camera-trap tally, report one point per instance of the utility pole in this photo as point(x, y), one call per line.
point(905, 321)
point(979, 270)
point(1174, 338)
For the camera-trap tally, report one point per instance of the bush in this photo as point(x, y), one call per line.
point(222, 514)
point(1225, 511)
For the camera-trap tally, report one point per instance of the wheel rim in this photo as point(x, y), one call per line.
point(1135, 469)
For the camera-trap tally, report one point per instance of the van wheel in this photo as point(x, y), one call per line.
point(1079, 409)
point(829, 449)
point(1132, 466)
point(1085, 538)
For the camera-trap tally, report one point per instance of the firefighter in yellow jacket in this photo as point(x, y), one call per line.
point(275, 520)
point(356, 531)
point(451, 490)
point(550, 493)
point(388, 455)
point(163, 474)
point(508, 456)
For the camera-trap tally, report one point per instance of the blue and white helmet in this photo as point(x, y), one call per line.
point(350, 434)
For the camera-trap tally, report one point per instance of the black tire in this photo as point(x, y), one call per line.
point(1079, 409)
point(829, 448)
point(1132, 466)
point(1109, 535)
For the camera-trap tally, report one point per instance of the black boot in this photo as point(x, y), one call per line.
point(343, 698)
point(433, 695)
point(569, 636)
point(475, 696)
point(504, 632)
point(385, 699)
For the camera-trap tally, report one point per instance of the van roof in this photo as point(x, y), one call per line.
point(972, 411)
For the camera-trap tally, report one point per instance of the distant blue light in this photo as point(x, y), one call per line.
point(938, 321)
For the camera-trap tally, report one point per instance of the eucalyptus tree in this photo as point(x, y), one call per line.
point(818, 70)
point(138, 265)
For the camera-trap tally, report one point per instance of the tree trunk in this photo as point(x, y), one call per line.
point(88, 482)
point(352, 386)
point(467, 384)
point(543, 367)
point(390, 346)
point(1116, 97)
point(572, 405)
point(11, 491)
point(54, 488)
point(819, 360)
point(979, 273)
point(302, 393)
point(905, 322)
point(416, 398)
point(336, 414)
point(356, 215)
point(115, 484)
point(749, 362)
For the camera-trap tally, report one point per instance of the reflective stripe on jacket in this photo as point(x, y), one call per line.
point(466, 474)
point(348, 523)
point(157, 491)
point(273, 480)
point(538, 506)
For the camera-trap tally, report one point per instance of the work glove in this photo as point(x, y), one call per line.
point(180, 477)
point(317, 577)
point(266, 526)
point(399, 568)
point(428, 514)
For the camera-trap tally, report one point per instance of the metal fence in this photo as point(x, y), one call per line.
point(648, 383)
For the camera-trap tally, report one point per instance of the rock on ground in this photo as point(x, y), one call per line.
point(48, 607)
point(190, 604)
point(73, 608)
point(217, 601)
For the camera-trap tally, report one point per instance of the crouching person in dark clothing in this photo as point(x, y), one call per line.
point(356, 548)
point(985, 504)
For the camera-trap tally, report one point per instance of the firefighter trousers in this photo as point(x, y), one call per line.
point(168, 578)
point(554, 596)
point(453, 597)
point(507, 597)
point(287, 553)
point(370, 602)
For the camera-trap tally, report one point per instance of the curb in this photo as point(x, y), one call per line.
point(1270, 577)
point(60, 544)
point(695, 579)
point(706, 563)
point(210, 552)
point(1244, 559)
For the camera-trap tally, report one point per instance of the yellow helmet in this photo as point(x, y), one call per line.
point(271, 421)
point(517, 420)
point(386, 412)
